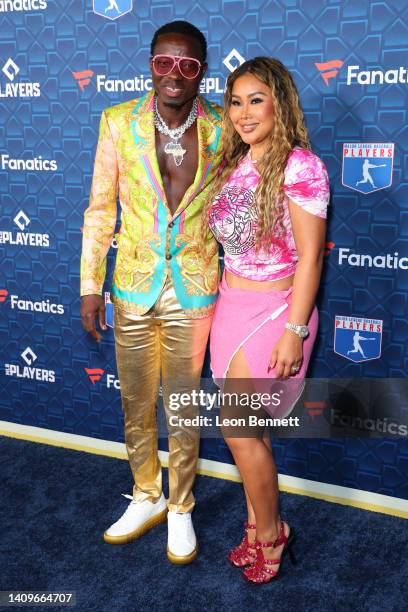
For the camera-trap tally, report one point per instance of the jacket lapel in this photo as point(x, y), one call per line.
point(144, 135)
point(208, 138)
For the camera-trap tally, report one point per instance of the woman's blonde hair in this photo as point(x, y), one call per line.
point(289, 131)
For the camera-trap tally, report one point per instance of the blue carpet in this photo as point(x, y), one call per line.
point(55, 504)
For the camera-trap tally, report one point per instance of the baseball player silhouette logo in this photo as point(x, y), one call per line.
point(112, 9)
point(113, 5)
point(357, 338)
point(367, 178)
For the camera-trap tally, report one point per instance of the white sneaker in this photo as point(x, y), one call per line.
point(139, 517)
point(182, 542)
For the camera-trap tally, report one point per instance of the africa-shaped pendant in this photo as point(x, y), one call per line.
point(176, 150)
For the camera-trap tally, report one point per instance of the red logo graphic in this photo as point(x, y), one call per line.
point(329, 70)
point(315, 408)
point(94, 374)
point(3, 295)
point(329, 247)
point(83, 78)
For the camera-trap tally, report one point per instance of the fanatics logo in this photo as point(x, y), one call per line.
point(329, 247)
point(329, 70)
point(376, 77)
point(138, 84)
point(390, 261)
point(94, 374)
point(36, 163)
point(112, 381)
point(44, 306)
point(315, 408)
point(83, 78)
point(19, 6)
point(3, 295)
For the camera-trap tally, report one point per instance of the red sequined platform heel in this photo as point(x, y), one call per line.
point(245, 553)
point(263, 570)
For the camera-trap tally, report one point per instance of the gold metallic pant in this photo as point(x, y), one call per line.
point(164, 344)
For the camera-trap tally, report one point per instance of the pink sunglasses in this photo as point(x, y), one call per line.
point(189, 67)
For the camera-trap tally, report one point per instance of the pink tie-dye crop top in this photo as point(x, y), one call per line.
point(233, 218)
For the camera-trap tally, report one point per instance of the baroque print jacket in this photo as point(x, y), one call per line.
point(152, 243)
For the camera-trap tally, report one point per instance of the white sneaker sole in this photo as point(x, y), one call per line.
point(161, 517)
point(182, 560)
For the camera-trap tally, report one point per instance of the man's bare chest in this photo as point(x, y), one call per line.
point(177, 174)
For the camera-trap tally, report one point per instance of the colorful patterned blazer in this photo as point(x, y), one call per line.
point(152, 242)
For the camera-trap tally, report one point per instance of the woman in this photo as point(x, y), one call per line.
point(269, 214)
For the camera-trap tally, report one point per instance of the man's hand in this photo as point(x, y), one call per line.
point(92, 308)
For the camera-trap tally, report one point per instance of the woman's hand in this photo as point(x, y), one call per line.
point(287, 354)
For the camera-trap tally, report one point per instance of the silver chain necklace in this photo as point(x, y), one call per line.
point(174, 148)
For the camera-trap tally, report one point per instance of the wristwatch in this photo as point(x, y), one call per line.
point(301, 330)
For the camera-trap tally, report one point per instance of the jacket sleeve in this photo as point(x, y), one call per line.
point(100, 216)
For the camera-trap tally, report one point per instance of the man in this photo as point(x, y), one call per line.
point(159, 153)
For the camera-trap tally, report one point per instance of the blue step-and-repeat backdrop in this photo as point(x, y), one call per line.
point(63, 62)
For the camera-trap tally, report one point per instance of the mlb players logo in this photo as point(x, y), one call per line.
point(112, 9)
point(367, 167)
point(358, 339)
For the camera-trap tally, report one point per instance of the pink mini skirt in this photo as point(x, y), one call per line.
point(254, 321)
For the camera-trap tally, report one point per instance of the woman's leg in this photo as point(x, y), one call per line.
point(250, 510)
point(254, 459)
point(251, 516)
